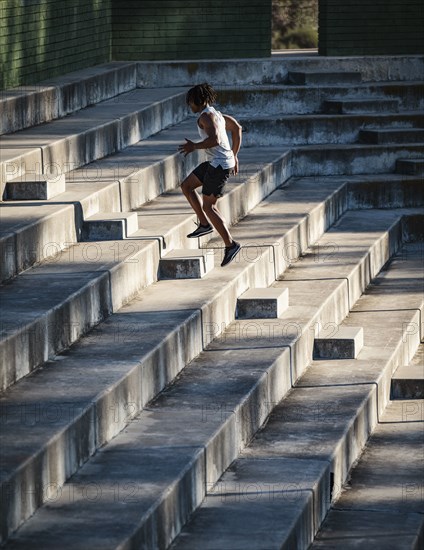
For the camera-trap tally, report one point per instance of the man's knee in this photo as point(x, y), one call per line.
point(207, 206)
point(188, 185)
point(186, 188)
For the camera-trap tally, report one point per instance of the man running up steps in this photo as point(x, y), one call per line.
point(213, 174)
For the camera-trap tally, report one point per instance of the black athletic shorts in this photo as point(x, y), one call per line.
point(213, 179)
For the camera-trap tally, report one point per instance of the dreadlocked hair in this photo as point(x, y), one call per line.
point(201, 94)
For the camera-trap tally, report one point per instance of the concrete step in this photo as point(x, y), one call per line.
point(347, 160)
point(410, 166)
point(92, 133)
point(355, 105)
point(392, 135)
point(381, 505)
point(290, 100)
point(86, 283)
point(35, 187)
point(274, 69)
point(384, 190)
point(26, 106)
point(408, 380)
point(294, 466)
point(286, 229)
point(319, 129)
point(316, 78)
point(33, 232)
point(109, 226)
point(219, 423)
point(86, 279)
point(165, 317)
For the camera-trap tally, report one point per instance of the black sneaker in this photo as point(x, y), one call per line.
point(230, 253)
point(200, 231)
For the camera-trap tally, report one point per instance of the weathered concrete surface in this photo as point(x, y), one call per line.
point(125, 180)
point(286, 100)
point(334, 129)
point(410, 166)
point(350, 106)
point(107, 226)
point(384, 191)
point(35, 187)
point(216, 456)
point(159, 298)
point(101, 130)
point(332, 160)
point(186, 264)
point(408, 380)
point(379, 530)
point(262, 303)
point(397, 291)
point(261, 504)
point(127, 177)
point(392, 135)
point(85, 282)
point(345, 343)
point(275, 69)
point(316, 77)
point(27, 106)
point(32, 233)
point(221, 309)
point(335, 253)
point(314, 424)
point(16, 161)
point(94, 255)
point(382, 503)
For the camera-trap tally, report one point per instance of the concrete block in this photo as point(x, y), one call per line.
point(413, 228)
point(412, 166)
point(17, 161)
point(109, 227)
point(262, 303)
point(305, 78)
point(408, 380)
point(345, 344)
point(392, 135)
point(35, 187)
point(407, 385)
point(186, 264)
point(357, 105)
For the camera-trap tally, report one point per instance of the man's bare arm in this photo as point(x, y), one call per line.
point(207, 124)
point(235, 129)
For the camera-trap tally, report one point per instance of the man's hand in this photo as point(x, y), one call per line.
point(236, 166)
point(187, 147)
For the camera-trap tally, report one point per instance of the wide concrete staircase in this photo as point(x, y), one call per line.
point(140, 409)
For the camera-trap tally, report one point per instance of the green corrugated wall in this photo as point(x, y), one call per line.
point(365, 27)
point(45, 38)
point(191, 29)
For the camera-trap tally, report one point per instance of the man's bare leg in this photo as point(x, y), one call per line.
point(188, 187)
point(216, 219)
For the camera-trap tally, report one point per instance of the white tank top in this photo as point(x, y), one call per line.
point(222, 153)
